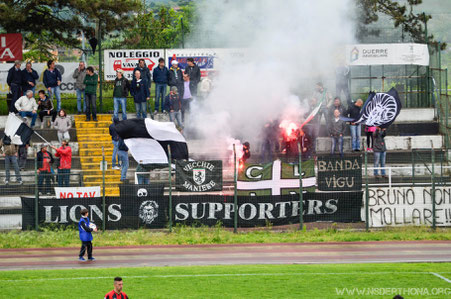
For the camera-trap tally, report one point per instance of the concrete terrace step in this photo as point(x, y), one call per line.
point(100, 117)
point(87, 131)
point(96, 144)
point(93, 124)
point(99, 178)
point(93, 137)
point(100, 172)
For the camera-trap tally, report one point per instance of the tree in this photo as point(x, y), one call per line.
point(158, 29)
point(402, 14)
point(49, 23)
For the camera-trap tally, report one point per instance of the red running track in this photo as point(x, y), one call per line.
point(229, 254)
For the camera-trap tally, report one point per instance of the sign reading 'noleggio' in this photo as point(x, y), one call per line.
point(199, 176)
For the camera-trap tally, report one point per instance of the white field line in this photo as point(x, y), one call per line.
point(228, 275)
point(441, 277)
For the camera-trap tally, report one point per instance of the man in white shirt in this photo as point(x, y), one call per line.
point(27, 106)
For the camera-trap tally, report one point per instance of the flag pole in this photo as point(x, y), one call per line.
point(39, 135)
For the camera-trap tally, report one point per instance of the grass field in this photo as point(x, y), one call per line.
point(260, 281)
point(183, 235)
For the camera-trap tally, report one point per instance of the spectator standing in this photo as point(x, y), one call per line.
point(140, 94)
point(65, 155)
point(187, 97)
point(9, 150)
point(79, 76)
point(122, 156)
point(193, 71)
point(356, 129)
point(369, 138)
point(314, 125)
point(144, 71)
point(115, 141)
point(52, 81)
point(342, 82)
point(27, 107)
point(269, 141)
point(322, 96)
point(45, 106)
point(29, 77)
point(120, 93)
point(380, 150)
point(335, 106)
point(44, 159)
point(174, 105)
point(176, 77)
point(143, 174)
point(85, 233)
point(91, 80)
point(63, 124)
point(117, 293)
point(306, 145)
point(23, 153)
point(14, 81)
point(336, 131)
point(160, 77)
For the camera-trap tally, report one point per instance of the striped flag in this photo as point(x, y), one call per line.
point(17, 130)
point(148, 140)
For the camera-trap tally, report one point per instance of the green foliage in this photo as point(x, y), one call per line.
point(161, 28)
point(401, 13)
point(46, 24)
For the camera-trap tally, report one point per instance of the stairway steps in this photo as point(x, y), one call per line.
point(100, 117)
point(99, 178)
point(86, 131)
point(93, 124)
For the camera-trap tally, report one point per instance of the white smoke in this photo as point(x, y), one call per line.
point(290, 45)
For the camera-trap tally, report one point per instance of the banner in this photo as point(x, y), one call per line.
point(379, 54)
point(277, 210)
point(77, 192)
point(408, 206)
point(208, 60)
point(127, 60)
point(339, 174)
point(198, 176)
point(66, 70)
point(145, 210)
point(10, 46)
point(275, 178)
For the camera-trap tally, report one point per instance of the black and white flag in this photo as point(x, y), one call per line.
point(17, 130)
point(380, 109)
point(148, 140)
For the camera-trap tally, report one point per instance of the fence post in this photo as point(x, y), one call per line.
point(301, 191)
point(103, 189)
point(170, 188)
point(235, 197)
point(433, 186)
point(367, 213)
point(413, 167)
point(36, 191)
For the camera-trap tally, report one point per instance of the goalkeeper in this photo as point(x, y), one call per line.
point(85, 228)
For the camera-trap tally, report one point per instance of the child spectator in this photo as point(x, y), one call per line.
point(336, 131)
point(85, 233)
point(62, 124)
point(45, 106)
point(379, 149)
point(173, 104)
point(369, 138)
point(65, 155)
point(44, 159)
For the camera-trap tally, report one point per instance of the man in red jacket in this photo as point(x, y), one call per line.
point(117, 293)
point(65, 155)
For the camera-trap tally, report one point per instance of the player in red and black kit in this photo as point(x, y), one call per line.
point(117, 293)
